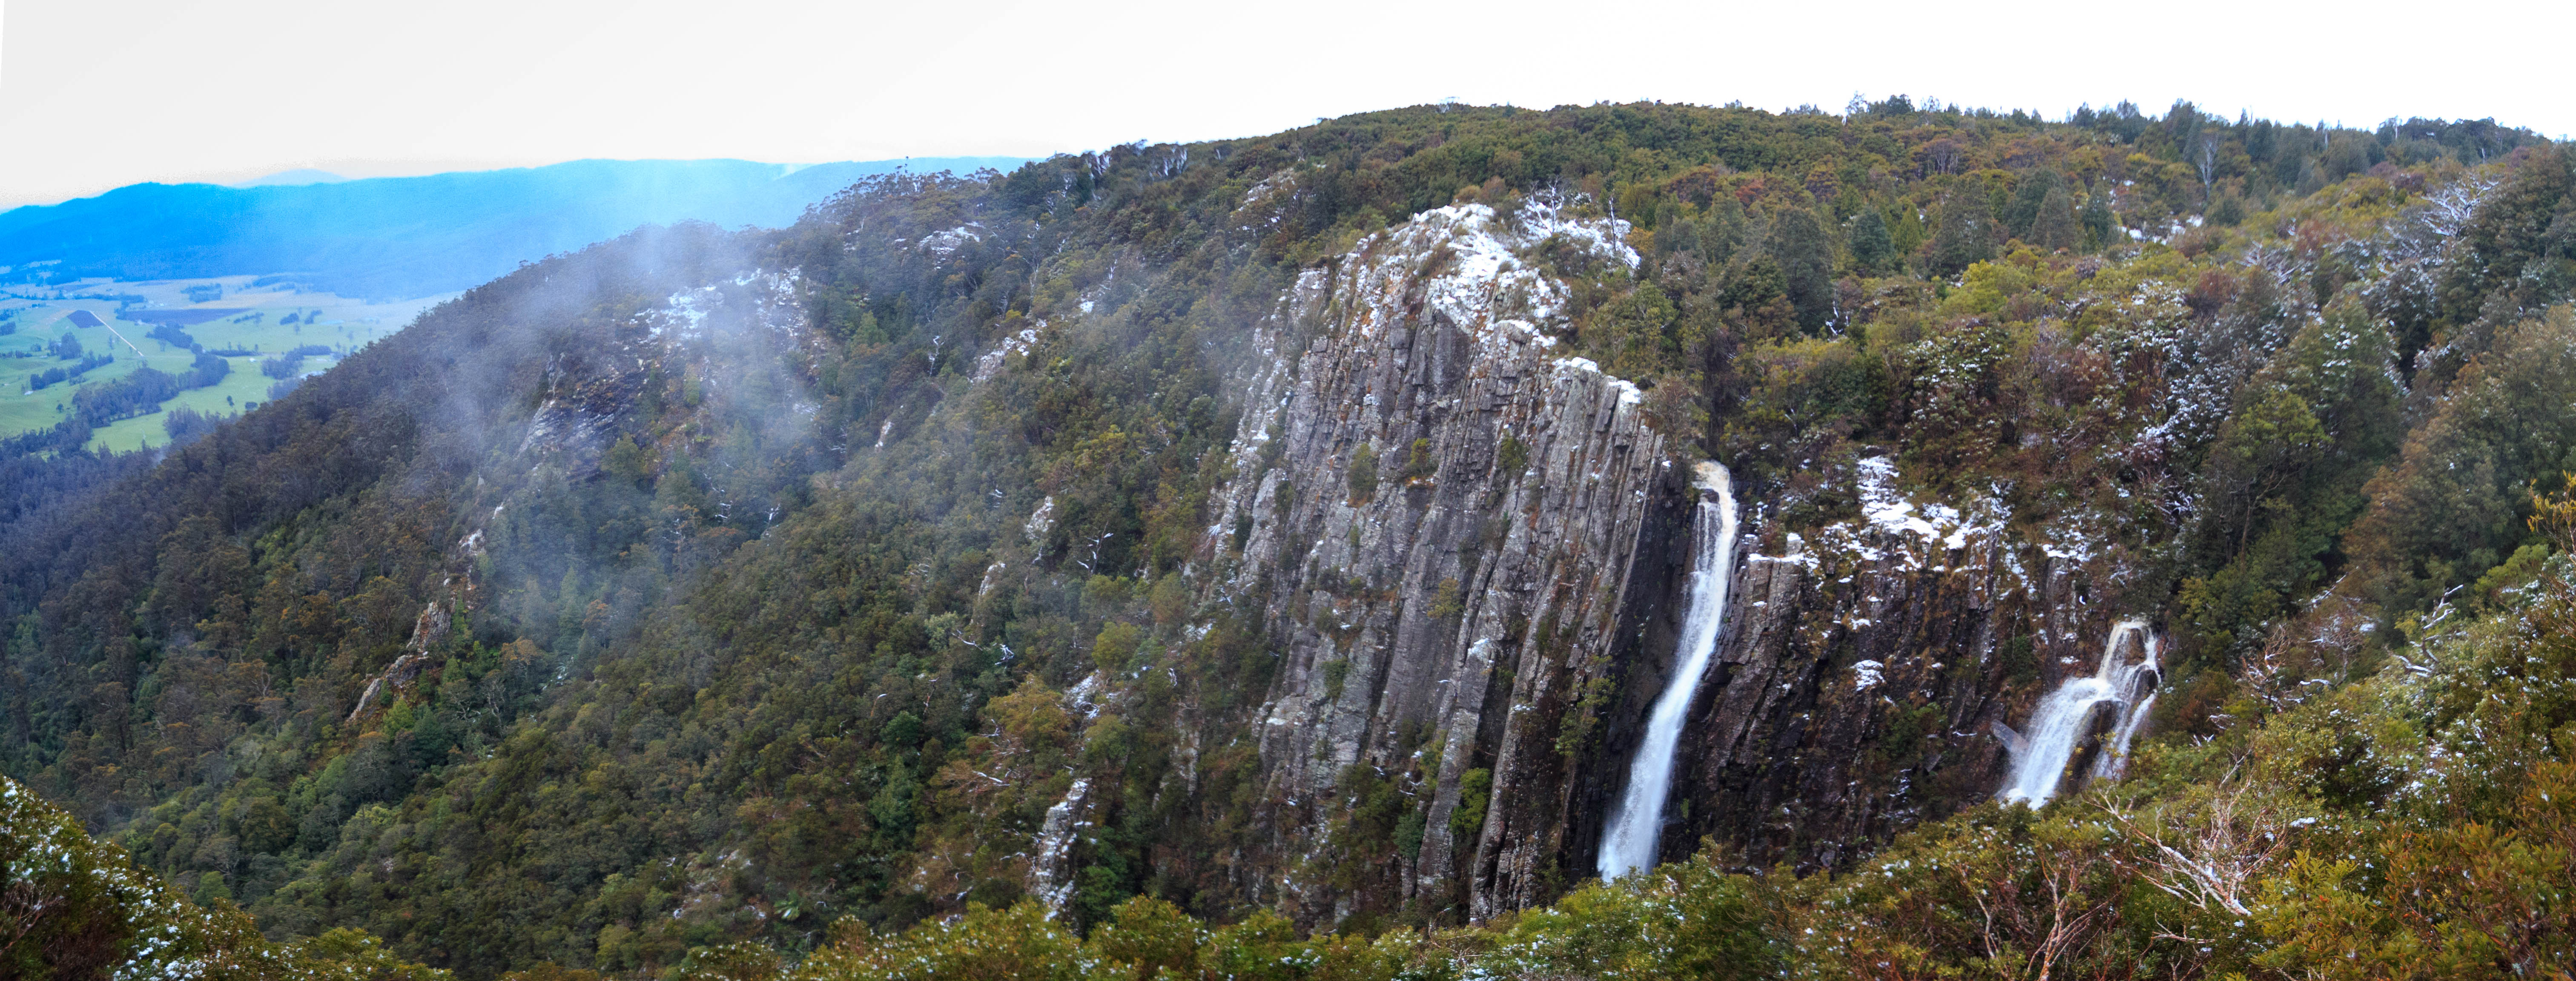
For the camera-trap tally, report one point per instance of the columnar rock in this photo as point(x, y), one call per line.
point(1469, 549)
point(1459, 601)
point(1862, 673)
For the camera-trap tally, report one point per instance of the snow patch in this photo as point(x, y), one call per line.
point(945, 244)
point(1886, 508)
point(1481, 269)
point(685, 311)
point(1050, 872)
point(1019, 343)
point(1042, 520)
point(1867, 675)
point(1629, 394)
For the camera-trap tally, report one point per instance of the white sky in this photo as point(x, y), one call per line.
point(99, 93)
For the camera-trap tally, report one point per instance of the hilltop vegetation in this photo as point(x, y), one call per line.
point(778, 653)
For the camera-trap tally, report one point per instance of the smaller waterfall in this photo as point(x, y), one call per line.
point(2124, 684)
point(1637, 827)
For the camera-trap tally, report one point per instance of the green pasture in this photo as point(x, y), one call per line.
point(42, 314)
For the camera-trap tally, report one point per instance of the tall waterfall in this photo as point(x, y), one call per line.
point(1637, 826)
point(2123, 684)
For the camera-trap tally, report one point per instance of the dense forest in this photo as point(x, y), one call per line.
point(742, 604)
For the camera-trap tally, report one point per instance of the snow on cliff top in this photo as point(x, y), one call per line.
point(1485, 280)
point(1885, 508)
point(1478, 268)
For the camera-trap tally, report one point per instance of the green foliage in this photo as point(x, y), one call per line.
point(1475, 793)
point(738, 961)
point(2516, 576)
point(2055, 225)
point(2020, 659)
point(1020, 944)
point(1151, 938)
point(73, 907)
point(1337, 672)
point(1803, 394)
point(69, 906)
point(1635, 336)
point(1806, 259)
point(2029, 195)
point(1873, 247)
point(2454, 503)
point(1688, 919)
point(2518, 245)
point(1966, 237)
point(1116, 646)
point(1446, 604)
point(2100, 228)
point(1755, 299)
point(1574, 734)
point(1512, 458)
point(1420, 465)
point(1363, 475)
point(140, 393)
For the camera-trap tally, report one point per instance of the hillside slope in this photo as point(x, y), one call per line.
point(1300, 524)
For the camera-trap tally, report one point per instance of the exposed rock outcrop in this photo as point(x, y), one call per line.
point(1459, 599)
point(1497, 589)
point(1859, 679)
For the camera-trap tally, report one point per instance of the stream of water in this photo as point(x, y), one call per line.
point(1629, 843)
point(2125, 681)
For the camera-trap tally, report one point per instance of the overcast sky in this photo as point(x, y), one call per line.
point(99, 93)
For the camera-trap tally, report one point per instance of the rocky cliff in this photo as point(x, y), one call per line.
point(1456, 605)
point(1470, 550)
point(1863, 669)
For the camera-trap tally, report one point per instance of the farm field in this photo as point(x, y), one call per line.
point(234, 316)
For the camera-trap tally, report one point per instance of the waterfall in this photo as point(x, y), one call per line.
point(1629, 843)
point(2123, 683)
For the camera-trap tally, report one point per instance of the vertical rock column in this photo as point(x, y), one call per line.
point(1465, 606)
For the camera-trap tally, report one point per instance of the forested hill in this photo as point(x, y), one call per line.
point(402, 237)
point(1012, 575)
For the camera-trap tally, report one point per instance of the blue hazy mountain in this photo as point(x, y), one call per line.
point(392, 237)
point(293, 178)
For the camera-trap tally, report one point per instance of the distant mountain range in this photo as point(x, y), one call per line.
point(401, 237)
point(293, 178)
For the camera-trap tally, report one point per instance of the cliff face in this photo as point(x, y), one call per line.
point(1479, 620)
point(1455, 615)
point(1860, 677)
